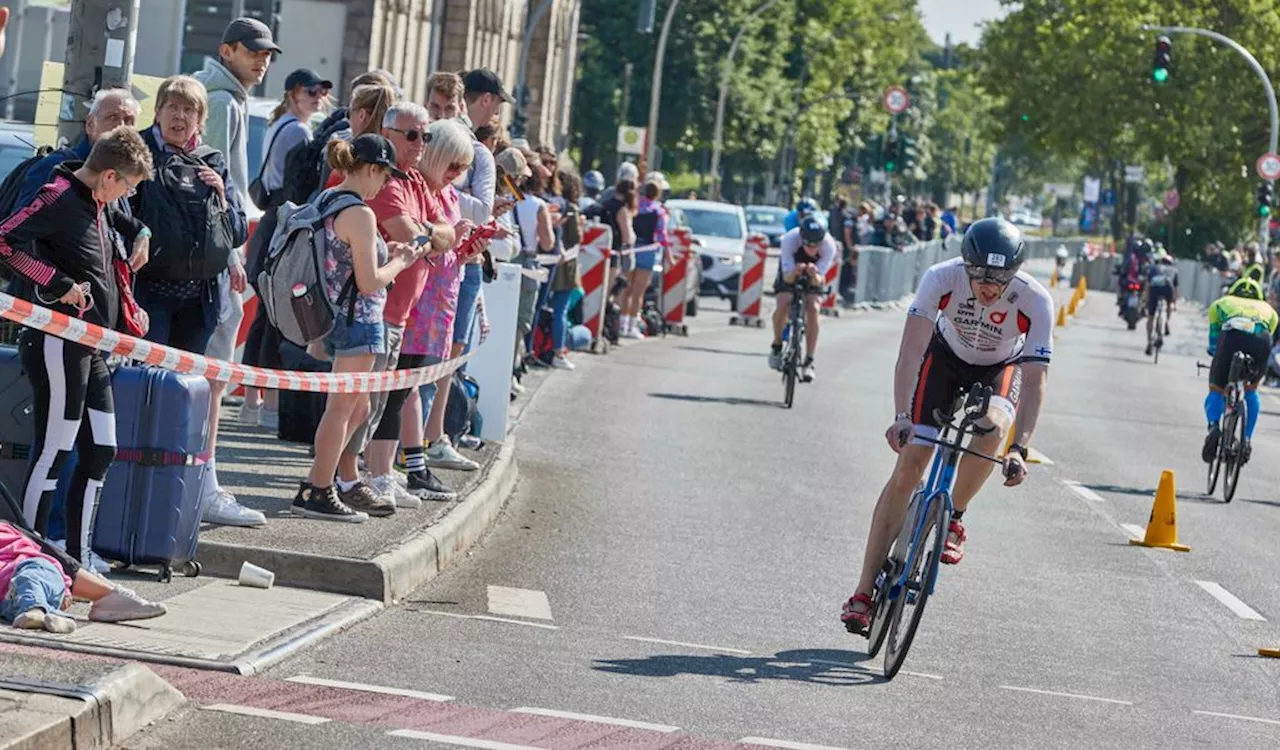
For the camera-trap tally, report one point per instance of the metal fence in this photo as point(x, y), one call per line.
point(1196, 283)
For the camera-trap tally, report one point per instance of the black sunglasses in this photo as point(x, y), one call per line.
point(991, 275)
point(412, 135)
point(318, 90)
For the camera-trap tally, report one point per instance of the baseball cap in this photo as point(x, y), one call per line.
point(485, 81)
point(628, 171)
point(513, 163)
point(252, 33)
point(305, 77)
point(372, 148)
point(658, 179)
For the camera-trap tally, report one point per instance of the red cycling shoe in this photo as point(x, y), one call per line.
point(953, 550)
point(858, 623)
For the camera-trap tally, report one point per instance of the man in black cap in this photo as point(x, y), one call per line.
point(484, 95)
point(243, 59)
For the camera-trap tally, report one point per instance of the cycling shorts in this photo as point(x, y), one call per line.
point(1157, 293)
point(780, 286)
point(1256, 345)
point(944, 377)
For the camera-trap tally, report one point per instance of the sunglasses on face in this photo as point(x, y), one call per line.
point(988, 275)
point(411, 136)
point(318, 91)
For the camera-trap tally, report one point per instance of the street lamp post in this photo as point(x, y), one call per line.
point(1266, 86)
point(656, 93)
point(717, 138)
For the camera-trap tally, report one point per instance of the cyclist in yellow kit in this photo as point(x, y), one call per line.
point(1239, 322)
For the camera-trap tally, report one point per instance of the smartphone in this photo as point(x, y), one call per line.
point(422, 240)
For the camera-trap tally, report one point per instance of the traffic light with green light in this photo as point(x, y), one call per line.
point(1163, 64)
point(892, 154)
point(1266, 199)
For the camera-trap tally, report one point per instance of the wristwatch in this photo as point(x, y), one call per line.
point(901, 416)
point(1020, 450)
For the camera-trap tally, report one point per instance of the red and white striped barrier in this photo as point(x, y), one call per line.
point(751, 282)
point(675, 282)
point(833, 284)
point(594, 258)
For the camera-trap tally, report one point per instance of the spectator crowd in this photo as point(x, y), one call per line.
point(142, 227)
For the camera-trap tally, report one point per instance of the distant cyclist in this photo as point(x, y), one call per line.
point(1162, 285)
point(975, 319)
point(1239, 322)
point(807, 251)
point(804, 207)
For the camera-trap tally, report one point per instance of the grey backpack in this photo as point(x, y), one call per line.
point(292, 282)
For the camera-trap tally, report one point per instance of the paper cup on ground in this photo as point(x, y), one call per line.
point(254, 577)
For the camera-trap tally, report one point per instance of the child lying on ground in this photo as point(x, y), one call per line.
point(37, 591)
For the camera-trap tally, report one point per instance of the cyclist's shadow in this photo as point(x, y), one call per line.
point(821, 666)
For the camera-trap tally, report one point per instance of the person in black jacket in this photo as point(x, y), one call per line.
point(65, 248)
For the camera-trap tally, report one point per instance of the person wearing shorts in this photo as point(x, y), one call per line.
point(1240, 322)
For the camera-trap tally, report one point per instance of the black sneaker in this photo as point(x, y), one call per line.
point(362, 498)
point(300, 499)
point(428, 487)
point(1211, 444)
point(1246, 451)
point(322, 503)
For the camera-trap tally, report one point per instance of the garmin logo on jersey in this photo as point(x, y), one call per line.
point(999, 317)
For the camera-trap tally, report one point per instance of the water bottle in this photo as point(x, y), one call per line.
point(786, 332)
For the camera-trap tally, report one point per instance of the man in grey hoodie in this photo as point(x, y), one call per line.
point(243, 59)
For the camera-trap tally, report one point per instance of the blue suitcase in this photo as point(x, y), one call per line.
point(150, 509)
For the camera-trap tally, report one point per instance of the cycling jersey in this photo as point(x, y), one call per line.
point(1161, 275)
point(1017, 328)
point(1230, 313)
point(793, 251)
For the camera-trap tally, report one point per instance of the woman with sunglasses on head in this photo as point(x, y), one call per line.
point(306, 94)
point(369, 105)
point(428, 339)
point(357, 256)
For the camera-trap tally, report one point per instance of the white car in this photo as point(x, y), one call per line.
point(720, 233)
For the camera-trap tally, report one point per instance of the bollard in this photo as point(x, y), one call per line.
point(594, 260)
point(833, 281)
point(490, 363)
point(751, 282)
point(675, 282)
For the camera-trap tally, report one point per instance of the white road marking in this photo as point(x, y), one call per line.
point(1237, 716)
point(1083, 491)
point(861, 668)
point(449, 739)
point(784, 743)
point(722, 649)
point(488, 618)
point(1135, 531)
point(309, 680)
point(519, 603)
point(1066, 695)
point(265, 713)
point(1229, 600)
point(595, 719)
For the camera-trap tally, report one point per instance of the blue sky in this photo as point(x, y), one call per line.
point(960, 17)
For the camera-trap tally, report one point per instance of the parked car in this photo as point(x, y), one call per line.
point(767, 220)
point(17, 144)
point(693, 281)
point(721, 230)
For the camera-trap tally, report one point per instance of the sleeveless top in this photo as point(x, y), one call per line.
point(338, 270)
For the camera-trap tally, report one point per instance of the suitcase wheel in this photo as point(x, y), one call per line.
point(192, 568)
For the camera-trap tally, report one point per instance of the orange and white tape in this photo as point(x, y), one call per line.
point(87, 334)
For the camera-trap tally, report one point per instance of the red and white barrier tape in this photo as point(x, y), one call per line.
point(87, 334)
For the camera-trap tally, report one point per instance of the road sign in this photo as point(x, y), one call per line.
point(896, 100)
point(1134, 173)
point(1092, 189)
point(630, 140)
point(1269, 166)
point(1172, 199)
point(1108, 197)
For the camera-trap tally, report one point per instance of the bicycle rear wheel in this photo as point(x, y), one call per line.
point(922, 571)
point(1233, 444)
point(789, 376)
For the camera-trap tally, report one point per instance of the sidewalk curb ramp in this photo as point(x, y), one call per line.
point(99, 714)
point(392, 574)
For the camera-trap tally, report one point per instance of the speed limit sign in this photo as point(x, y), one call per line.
point(1269, 166)
point(896, 100)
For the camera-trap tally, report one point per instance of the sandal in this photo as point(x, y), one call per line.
point(855, 621)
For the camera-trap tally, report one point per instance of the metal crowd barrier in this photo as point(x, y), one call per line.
point(1196, 283)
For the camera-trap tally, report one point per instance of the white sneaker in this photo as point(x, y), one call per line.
point(222, 508)
point(124, 604)
point(561, 363)
point(442, 455)
point(633, 332)
point(387, 486)
point(269, 419)
point(249, 415)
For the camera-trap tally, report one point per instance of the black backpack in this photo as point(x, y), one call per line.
point(305, 162)
point(10, 188)
point(191, 233)
point(461, 413)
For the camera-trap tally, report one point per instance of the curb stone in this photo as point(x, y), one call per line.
point(392, 574)
point(100, 714)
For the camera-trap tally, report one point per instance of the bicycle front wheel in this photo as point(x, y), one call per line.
point(1233, 445)
point(922, 571)
point(1215, 466)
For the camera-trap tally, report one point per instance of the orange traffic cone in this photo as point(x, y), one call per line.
point(1062, 317)
point(1075, 302)
point(1162, 528)
point(1053, 278)
point(1081, 288)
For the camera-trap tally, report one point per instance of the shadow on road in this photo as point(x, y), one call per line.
point(1150, 492)
point(730, 400)
point(711, 350)
point(819, 666)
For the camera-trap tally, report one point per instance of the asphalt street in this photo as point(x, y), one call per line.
point(678, 547)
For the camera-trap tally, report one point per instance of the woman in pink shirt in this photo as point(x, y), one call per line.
point(429, 335)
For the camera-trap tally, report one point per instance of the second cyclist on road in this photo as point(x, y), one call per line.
point(1162, 286)
point(1238, 322)
point(807, 251)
